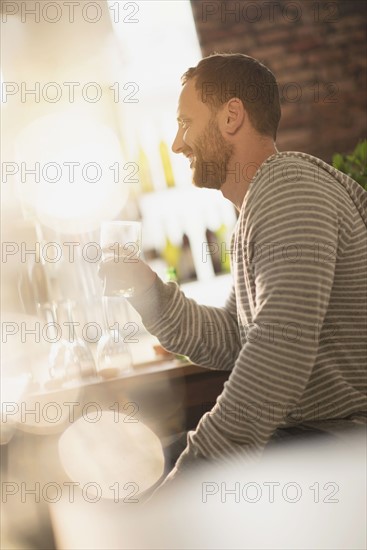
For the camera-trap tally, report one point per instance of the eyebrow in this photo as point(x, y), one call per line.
point(182, 117)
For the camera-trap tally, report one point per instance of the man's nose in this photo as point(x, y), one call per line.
point(178, 143)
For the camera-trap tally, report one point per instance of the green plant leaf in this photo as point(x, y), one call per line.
point(338, 161)
point(353, 164)
point(361, 151)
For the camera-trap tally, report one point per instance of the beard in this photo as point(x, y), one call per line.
point(212, 156)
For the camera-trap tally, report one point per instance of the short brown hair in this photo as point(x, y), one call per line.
point(222, 76)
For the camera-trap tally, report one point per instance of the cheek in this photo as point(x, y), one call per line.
point(191, 139)
point(186, 135)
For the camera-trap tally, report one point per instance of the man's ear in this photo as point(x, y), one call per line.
point(233, 116)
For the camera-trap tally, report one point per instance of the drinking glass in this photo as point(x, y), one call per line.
point(70, 360)
point(121, 242)
point(113, 353)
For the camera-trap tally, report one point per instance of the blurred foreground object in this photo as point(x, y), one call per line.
point(298, 497)
point(117, 455)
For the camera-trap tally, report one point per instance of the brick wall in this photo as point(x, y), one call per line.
point(317, 51)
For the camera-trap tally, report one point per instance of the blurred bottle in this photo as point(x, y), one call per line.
point(222, 237)
point(144, 174)
point(214, 250)
point(171, 254)
point(186, 266)
point(219, 253)
point(167, 165)
point(180, 260)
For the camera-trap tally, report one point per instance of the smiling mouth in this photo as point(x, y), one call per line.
point(191, 159)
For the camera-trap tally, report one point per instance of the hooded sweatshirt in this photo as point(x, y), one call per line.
point(293, 330)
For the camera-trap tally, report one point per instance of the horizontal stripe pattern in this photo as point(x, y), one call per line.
point(293, 330)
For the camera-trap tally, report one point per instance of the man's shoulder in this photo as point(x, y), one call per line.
point(297, 172)
point(288, 164)
point(281, 171)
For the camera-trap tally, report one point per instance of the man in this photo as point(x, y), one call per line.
point(292, 330)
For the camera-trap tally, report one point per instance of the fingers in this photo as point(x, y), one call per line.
point(129, 272)
point(121, 267)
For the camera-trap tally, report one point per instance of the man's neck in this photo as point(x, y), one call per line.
point(241, 171)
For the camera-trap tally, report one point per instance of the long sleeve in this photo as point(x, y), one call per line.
point(209, 336)
point(287, 250)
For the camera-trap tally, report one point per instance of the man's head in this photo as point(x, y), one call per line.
point(224, 96)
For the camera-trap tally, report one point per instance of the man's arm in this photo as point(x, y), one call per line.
point(209, 336)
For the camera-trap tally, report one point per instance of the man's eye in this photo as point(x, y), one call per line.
point(184, 124)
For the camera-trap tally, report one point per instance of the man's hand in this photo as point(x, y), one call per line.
point(127, 272)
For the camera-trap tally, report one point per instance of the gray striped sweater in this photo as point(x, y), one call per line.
point(293, 330)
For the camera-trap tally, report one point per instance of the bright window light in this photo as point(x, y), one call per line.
point(155, 51)
point(160, 45)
